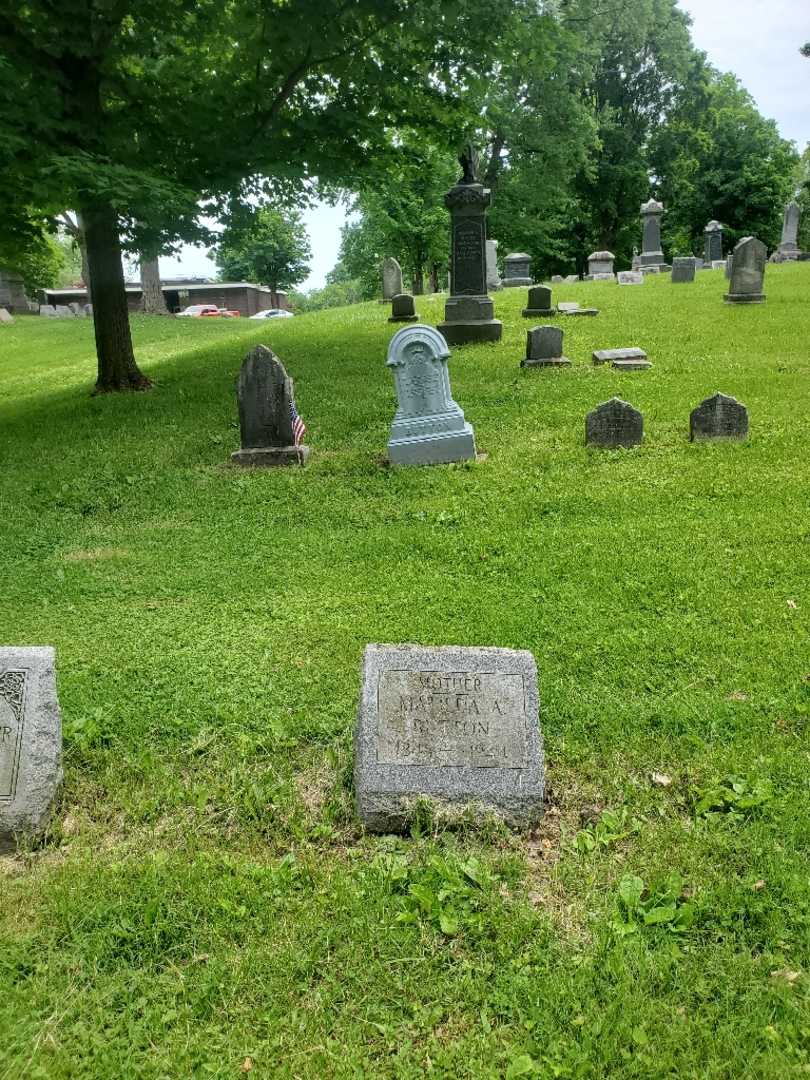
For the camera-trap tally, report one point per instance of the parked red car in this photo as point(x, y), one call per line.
point(211, 311)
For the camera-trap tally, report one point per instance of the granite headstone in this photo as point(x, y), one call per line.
point(544, 348)
point(403, 309)
point(391, 279)
point(683, 271)
point(614, 424)
point(517, 270)
point(539, 302)
point(719, 417)
point(713, 242)
point(267, 413)
point(458, 727)
point(651, 253)
point(789, 247)
point(631, 359)
point(493, 279)
point(600, 265)
point(747, 272)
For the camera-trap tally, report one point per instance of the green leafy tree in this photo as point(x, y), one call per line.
point(268, 247)
point(362, 249)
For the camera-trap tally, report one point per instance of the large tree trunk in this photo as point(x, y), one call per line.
point(153, 302)
point(117, 369)
point(82, 242)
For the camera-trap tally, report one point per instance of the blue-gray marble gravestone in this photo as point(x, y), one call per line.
point(600, 266)
point(719, 417)
point(457, 726)
point(614, 424)
point(429, 427)
point(30, 741)
point(747, 272)
point(267, 413)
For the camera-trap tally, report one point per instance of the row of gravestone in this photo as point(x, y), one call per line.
point(65, 311)
point(616, 424)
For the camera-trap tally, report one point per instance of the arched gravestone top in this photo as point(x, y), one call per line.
point(266, 412)
point(30, 741)
point(652, 206)
point(614, 424)
point(539, 302)
point(719, 417)
point(428, 428)
point(747, 272)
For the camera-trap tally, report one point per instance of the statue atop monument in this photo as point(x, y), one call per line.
point(468, 160)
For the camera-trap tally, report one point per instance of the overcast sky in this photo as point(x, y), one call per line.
point(756, 39)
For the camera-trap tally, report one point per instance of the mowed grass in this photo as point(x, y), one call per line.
point(206, 904)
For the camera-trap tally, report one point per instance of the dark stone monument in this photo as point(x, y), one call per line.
point(403, 309)
point(713, 242)
point(539, 302)
point(747, 272)
point(517, 270)
point(468, 312)
point(456, 727)
point(30, 742)
point(683, 271)
point(268, 419)
point(544, 348)
point(614, 424)
point(651, 253)
point(789, 248)
point(719, 417)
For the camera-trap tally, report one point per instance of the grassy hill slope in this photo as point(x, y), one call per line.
point(206, 902)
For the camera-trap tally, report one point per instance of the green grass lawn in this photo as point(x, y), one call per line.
point(206, 904)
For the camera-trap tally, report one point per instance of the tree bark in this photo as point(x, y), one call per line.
point(117, 369)
point(434, 278)
point(152, 302)
point(82, 242)
point(418, 282)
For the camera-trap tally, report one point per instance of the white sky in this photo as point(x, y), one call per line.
point(756, 39)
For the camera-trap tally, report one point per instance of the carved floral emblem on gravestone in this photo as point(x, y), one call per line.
point(12, 710)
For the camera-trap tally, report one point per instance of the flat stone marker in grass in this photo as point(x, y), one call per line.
point(539, 302)
point(544, 348)
point(614, 424)
point(403, 309)
point(270, 426)
point(457, 726)
point(747, 272)
point(683, 271)
point(571, 309)
point(30, 741)
point(633, 359)
point(6, 316)
point(630, 277)
point(719, 417)
point(429, 427)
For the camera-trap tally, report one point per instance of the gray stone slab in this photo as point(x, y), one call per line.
point(458, 726)
point(581, 311)
point(747, 272)
point(403, 309)
point(517, 270)
point(47, 310)
point(30, 741)
point(429, 427)
point(539, 302)
point(544, 348)
point(683, 271)
point(717, 264)
point(63, 311)
point(600, 265)
point(391, 278)
point(630, 277)
point(267, 413)
point(713, 242)
point(567, 307)
point(632, 355)
point(719, 417)
point(493, 278)
point(6, 316)
point(614, 424)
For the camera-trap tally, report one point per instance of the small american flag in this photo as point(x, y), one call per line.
point(298, 426)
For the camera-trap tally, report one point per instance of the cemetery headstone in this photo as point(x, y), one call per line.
point(631, 359)
point(557, 279)
point(571, 278)
point(651, 253)
point(788, 246)
point(713, 242)
point(12, 292)
point(468, 312)
point(88, 309)
point(75, 308)
point(429, 427)
point(391, 279)
point(539, 302)
point(517, 270)
point(570, 309)
point(5, 316)
point(719, 264)
point(47, 310)
point(747, 272)
point(719, 417)
point(456, 726)
point(635, 262)
point(600, 266)
point(30, 741)
point(403, 309)
point(544, 348)
point(683, 271)
point(63, 311)
point(728, 265)
point(493, 278)
point(271, 429)
point(614, 424)
point(630, 277)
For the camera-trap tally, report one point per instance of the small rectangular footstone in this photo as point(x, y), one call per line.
point(456, 726)
point(633, 359)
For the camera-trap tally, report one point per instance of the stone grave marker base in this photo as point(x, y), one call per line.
point(270, 457)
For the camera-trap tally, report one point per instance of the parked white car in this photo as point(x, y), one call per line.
point(273, 313)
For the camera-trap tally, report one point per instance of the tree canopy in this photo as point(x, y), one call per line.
point(267, 247)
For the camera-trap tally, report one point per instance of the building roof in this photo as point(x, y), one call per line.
point(71, 290)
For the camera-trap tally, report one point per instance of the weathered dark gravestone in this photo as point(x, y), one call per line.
point(719, 417)
point(747, 272)
point(683, 271)
point(269, 422)
point(30, 741)
point(651, 253)
point(403, 309)
point(789, 247)
point(600, 265)
point(614, 424)
point(12, 292)
point(632, 359)
point(468, 313)
point(544, 348)
point(391, 279)
point(539, 302)
point(429, 428)
point(713, 242)
point(456, 726)
point(517, 270)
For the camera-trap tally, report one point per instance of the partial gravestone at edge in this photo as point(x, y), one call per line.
point(429, 427)
point(271, 429)
point(455, 726)
point(30, 742)
point(614, 424)
point(719, 417)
